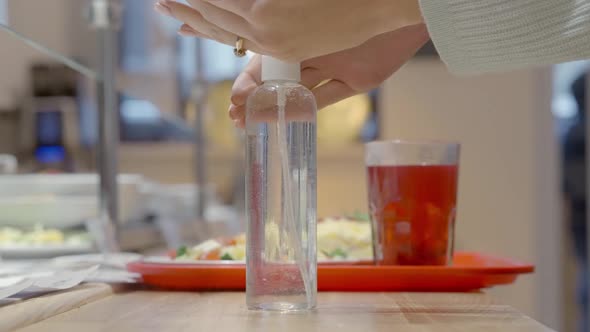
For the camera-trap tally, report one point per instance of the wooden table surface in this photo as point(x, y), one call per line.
point(341, 312)
point(24, 312)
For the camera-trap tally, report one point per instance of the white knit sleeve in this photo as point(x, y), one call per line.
point(474, 36)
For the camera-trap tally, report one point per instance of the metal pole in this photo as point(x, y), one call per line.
point(587, 141)
point(199, 94)
point(105, 17)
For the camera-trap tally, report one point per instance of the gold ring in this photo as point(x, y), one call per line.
point(239, 50)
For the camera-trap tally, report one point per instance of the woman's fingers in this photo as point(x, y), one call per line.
point(247, 81)
point(222, 18)
point(332, 92)
point(187, 31)
point(311, 77)
point(194, 19)
point(238, 115)
point(237, 112)
point(239, 7)
point(244, 84)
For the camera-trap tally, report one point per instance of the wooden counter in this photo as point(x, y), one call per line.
point(19, 313)
point(341, 312)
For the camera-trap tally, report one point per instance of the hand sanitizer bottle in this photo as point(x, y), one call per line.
point(281, 262)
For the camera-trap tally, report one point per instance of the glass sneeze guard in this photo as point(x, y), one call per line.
point(92, 38)
point(134, 62)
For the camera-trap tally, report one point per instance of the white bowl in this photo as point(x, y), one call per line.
point(63, 200)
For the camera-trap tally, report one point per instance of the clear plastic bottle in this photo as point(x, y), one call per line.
point(281, 191)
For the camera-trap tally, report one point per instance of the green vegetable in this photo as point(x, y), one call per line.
point(227, 257)
point(336, 253)
point(339, 252)
point(359, 216)
point(181, 251)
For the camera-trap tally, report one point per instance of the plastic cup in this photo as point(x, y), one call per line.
point(412, 189)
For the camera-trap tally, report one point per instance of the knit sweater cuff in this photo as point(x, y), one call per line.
point(474, 36)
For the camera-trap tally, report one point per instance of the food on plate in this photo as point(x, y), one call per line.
point(41, 236)
point(337, 239)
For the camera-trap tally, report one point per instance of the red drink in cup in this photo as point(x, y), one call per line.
point(412, 200)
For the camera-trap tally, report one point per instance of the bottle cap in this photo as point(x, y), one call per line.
point(274, 69)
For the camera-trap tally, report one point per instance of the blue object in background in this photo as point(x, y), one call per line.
point(50, 154)
point(49, 128)
point(3, 12)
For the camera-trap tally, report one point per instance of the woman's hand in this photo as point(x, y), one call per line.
point(377, 36)
point(293, 30)
point(348, 72)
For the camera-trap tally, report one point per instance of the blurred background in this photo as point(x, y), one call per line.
point(181, 163)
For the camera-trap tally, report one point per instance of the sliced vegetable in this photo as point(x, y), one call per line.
point(181, 251)
point(338, 252)
point(338, 238)
point(212, 255)
point(227, 257)
point(359, 216)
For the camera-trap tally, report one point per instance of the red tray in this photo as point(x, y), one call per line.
point(470, 271)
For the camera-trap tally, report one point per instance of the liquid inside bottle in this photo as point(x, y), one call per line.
point(281, 197)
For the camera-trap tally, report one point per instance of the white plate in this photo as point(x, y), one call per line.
point(28, 251)
point(50, 211)
point(168, 260)
point(61, 184)
point(116, 260)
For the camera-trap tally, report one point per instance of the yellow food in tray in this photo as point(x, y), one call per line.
point(337, 239)
point(344, 239)
point(41, 236)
